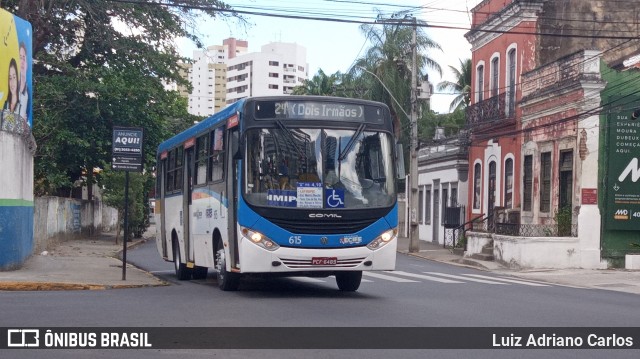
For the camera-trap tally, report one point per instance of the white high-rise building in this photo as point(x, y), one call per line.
point(208, 76)
point(275, 70)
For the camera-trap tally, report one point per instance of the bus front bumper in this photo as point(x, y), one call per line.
point(254, 259)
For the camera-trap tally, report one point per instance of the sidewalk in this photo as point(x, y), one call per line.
point(94, 263)
point(620, 280)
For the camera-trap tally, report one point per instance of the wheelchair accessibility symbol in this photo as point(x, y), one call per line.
point(335, 198)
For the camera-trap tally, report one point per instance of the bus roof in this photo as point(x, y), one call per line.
point(200, 127)
point(232, 109)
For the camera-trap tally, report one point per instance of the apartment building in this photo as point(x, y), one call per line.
point(208, 76)
point(275, 70)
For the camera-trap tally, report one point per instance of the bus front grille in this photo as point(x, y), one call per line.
point(324, 227)
point(306, 263)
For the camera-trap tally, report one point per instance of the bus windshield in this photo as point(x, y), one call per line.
point(319, 168)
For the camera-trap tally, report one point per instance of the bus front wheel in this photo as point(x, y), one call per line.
point(182, 272)
point(348, 281)
point(227, 281)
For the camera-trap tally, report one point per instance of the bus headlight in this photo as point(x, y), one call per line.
point(259, 239)
point(383, 239)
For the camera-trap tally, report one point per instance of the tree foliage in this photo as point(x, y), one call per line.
point(114, 196)
point(462, 85)
point(99, 64)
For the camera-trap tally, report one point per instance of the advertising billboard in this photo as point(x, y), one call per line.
point(623, 170)
point(16, 90)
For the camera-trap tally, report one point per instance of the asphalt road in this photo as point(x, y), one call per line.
point(419, 293)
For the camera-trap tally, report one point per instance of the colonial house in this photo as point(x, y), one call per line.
point(442, 189)
point(540, 132)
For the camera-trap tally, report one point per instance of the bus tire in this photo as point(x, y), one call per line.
point(227, 281)
point(348, 281)
point(199, 272)
point(182, 272)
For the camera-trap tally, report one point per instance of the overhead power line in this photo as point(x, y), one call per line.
point(370, 22)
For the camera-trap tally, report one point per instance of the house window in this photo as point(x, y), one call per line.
point(445, 203)
point(273, 87)
point(421, 205)
point(454, 197)
point(508, 183)
point(566, 179)
point(494, 76)
point(527, 183)
point(511, 88)
point(545, 182)
point(274, 63)
point(480, 88)
point(476, 186)
point(427, 201)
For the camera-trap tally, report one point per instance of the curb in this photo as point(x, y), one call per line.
point(42, 286)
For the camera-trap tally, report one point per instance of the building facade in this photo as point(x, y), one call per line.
point(442, 186)
point(541, 142)
point(275, 70)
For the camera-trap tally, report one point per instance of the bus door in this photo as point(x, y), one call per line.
point(233, 165)
point(189, 164)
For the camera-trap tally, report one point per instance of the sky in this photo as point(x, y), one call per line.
point(334, 46)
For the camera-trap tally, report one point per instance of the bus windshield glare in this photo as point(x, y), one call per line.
point(319, 168)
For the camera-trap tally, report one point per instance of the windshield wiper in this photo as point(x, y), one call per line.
point(351, 142)
point(291, 138)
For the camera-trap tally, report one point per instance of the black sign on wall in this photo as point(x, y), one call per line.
point(126, 149)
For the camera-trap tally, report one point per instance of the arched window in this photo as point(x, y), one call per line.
point(511, 77)
point(495, 69)
point(480, 81)
point(508, 183)
point(477, 169)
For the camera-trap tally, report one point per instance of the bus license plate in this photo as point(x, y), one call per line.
point(324, 261)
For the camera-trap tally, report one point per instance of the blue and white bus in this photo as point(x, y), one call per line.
point(282, 186)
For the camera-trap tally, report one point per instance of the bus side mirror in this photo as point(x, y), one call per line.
point(400, 161)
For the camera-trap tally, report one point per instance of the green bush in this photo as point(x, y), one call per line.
point(563, 218)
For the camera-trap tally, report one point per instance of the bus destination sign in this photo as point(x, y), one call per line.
point(126, 149)
point(310, 110)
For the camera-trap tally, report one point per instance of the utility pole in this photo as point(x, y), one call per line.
point(414, 245)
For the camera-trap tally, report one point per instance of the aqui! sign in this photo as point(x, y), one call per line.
point(126, 149)
point(623, 170)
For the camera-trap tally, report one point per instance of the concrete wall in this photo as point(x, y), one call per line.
point(533, 252)
point(16, 195)
point(57, 219)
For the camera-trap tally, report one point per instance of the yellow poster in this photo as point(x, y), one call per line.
point(16, 92)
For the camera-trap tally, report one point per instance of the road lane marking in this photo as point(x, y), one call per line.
point(509, 280)
point(388, 277)
point(466, 278)
point(425, 277)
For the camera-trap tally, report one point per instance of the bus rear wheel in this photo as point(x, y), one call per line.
point(227, 281)
point(182, 272)
point(349, 281)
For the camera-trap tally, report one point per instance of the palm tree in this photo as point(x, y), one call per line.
point(320, 84)
point(389, 58)
point(462, 86)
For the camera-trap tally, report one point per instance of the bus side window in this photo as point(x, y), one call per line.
point(216, 160)
point(170, 170)
point(201, 159)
